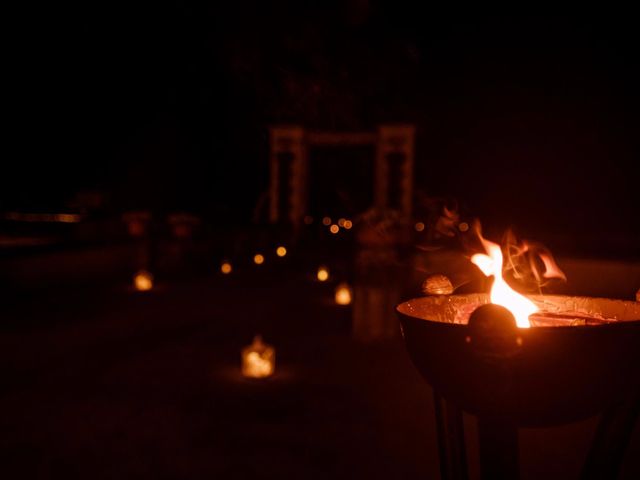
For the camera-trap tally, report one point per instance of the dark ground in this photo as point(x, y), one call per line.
point(108, 383)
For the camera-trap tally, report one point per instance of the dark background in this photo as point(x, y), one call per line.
point(527, 120)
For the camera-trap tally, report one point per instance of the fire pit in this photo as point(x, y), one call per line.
point(566, 367)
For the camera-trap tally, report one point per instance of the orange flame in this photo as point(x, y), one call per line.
point(526, 260)
point(551, 269)
point(501, 293)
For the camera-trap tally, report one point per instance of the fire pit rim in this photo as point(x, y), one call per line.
point(403, 308)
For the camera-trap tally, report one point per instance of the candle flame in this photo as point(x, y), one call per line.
point(501, 293)
point(258, 359)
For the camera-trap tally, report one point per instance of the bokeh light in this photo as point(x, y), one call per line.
point(323, 274)
point(343, 294)
point(143, 281)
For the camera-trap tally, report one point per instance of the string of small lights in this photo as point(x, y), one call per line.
point(343, 292)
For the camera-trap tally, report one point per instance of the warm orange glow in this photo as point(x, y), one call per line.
point(348, 224)
point(136, 228)
point(258, 259)
point(143, 281)
point(226, 268)
point(323, 274)
point(551, 269)
point(326, 221)
point(341, 222)
point(258, 359)
point(43, 217)
point(281, 251)
point(334, 228)
point(67, 218)
point(501, 292)
point(343, 294)
point(463, 226)
point(419, 227)
point(437, 284)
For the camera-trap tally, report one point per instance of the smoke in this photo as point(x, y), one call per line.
point(450, 240)
point(529, 264)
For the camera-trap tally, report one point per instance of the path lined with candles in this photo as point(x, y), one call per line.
point(124, 385)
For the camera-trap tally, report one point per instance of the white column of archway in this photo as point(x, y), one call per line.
point(288, 139)
point(395, 139)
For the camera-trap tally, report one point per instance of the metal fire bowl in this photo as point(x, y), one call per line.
point(553, 375)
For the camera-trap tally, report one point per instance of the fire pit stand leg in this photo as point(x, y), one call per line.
point(451, 446)
point(611, 440)
point(498, 442)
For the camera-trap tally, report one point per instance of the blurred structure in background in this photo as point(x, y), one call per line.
point(364, 175)
point(291, 172)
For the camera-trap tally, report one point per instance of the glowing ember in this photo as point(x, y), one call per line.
point(281, 251)
point(226, 268)
point(258, 259)
point(334, 228)
point(501, 292)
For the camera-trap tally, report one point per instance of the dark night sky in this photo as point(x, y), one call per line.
point(531, 120)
